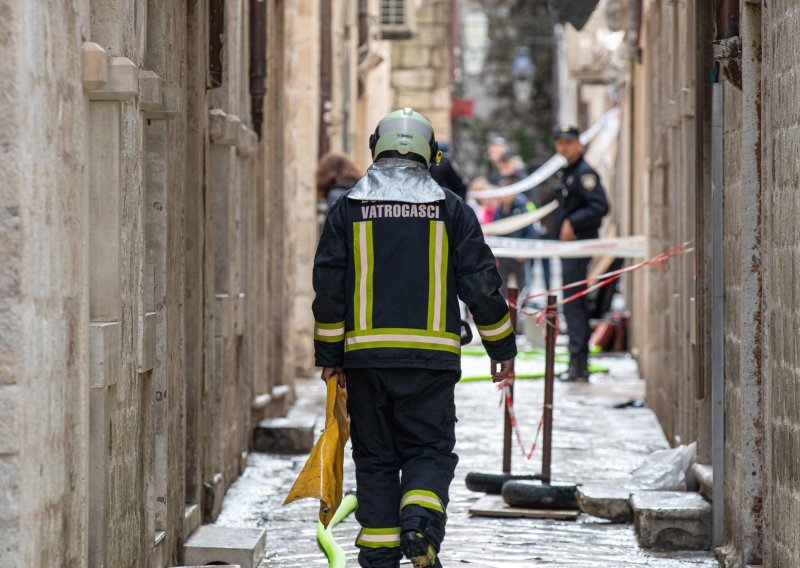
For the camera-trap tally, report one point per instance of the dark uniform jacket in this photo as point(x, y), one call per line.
point(446, 175)
point(583, 200)
point(387, 276)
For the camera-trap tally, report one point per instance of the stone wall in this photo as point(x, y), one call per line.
point(155, 266)
point(668, 156)
point(421, 67)
point(301, 111)
point(44, 351)
point(781, 203)
point(760, 246)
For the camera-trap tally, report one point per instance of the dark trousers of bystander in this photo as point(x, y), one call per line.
point(577, 311)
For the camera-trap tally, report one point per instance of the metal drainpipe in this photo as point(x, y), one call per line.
point(717, 310)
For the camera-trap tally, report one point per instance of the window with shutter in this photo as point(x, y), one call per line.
point(397, 19)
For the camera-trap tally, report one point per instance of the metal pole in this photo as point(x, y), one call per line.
point(513, 296)
point(549, 379)
point(717, 314)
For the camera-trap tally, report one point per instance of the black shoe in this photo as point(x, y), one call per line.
point(578, 371)
point(416, 548)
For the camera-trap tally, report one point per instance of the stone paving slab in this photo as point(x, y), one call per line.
point(593, 443)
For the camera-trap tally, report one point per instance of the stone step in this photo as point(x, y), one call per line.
point(605, 502)
point(705, 477)
point(672, 520)
point(225, 545)
point(292, 434)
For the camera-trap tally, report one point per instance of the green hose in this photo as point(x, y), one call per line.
point(593, 368)
point(334, 552)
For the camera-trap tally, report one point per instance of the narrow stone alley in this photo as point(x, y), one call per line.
point(167, 168)
point(593, 443)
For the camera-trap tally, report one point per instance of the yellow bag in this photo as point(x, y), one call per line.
point(322, 475)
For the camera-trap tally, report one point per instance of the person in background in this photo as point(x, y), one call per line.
point(497, 147)
point(583, 206)
point(446, 172)
point(485, 207)
point(336, 175)
point(510, 167)
point(509, 206)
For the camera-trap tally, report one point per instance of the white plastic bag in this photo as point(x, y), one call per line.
point(665, 470)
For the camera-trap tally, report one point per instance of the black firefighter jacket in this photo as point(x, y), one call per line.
point(387, 276)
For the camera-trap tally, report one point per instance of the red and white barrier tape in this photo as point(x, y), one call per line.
point(601, 280)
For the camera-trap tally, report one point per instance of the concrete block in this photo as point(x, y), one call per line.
point(122, 83)
point(213, 493)
point(705, 478)
point(105, 353)
point(159, 554)
point(223, 127)
point(281, 399)
point(146, 357)
point(290, 435)
point(672, 520)
point(226, 545)
point(192, 519)
point(95, 66)
point(149, 90)
point(605, 502)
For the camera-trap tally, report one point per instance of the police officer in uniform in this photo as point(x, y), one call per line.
point(583, 206)
point(394, 256)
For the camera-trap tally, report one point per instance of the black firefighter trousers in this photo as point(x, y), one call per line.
point(402, 427)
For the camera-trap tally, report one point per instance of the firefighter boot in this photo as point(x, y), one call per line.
point(419, 550)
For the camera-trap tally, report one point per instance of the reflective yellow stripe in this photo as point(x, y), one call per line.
point(401, 338)
point(379, 538)
point(363, 257)
point(422, 498)
point(438, 251)
point(496, 331)
point(329, 332)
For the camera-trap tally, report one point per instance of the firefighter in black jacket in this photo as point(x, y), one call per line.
point(583, 206)
point(393, 257)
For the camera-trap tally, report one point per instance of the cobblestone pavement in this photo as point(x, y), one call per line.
point(592, 442)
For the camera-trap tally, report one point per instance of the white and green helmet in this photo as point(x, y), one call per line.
point(405, 133)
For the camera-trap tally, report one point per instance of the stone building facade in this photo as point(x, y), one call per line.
point(144, 286)
point(421, 66)
point(686, 62)
point(157, 196)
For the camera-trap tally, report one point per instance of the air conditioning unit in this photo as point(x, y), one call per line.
point(397, 18)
